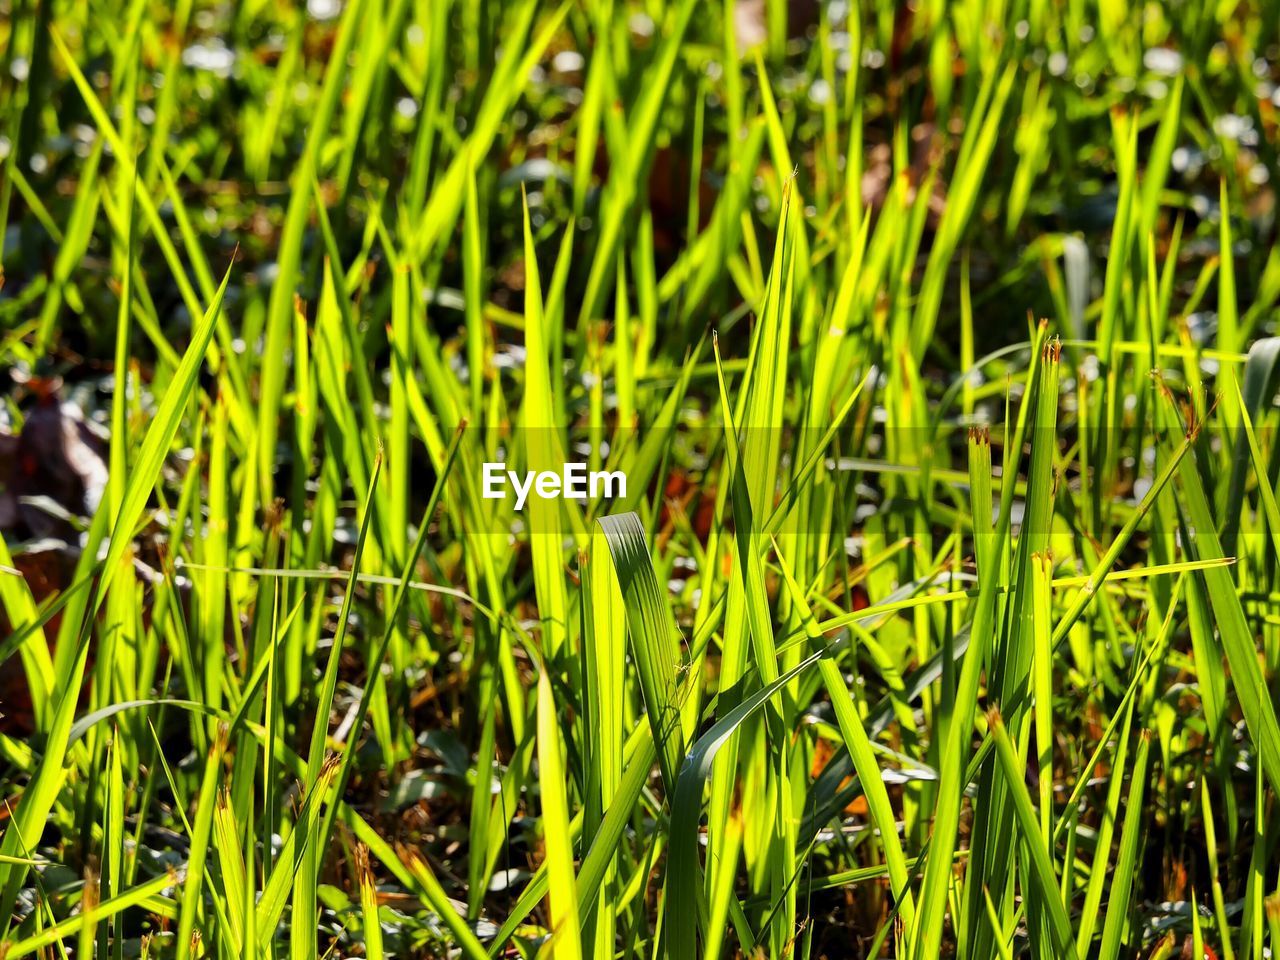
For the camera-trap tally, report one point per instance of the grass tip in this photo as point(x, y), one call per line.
point(1272, 906)
point(1052, 352)
point(364, 871)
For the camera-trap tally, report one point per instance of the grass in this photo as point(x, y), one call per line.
point(937, 344)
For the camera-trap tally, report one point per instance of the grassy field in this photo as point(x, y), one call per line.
point(939, 616)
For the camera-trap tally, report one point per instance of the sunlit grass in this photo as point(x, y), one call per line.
point(935, 343)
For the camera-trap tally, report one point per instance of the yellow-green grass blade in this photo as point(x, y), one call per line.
point(1116, 926)
point(372, 925)
point(1039, 868)
point(191, 910)
point(640, 756)
point(20, 607)
point(141, 894)
point(1236, 637)
point(125, 155)
point(620, 195)
point(293, 855)
point(304, 889)
point(227, 841)
point(979, 142)
point(540, 425)
point(378, 651)
point(429, 890)
point(653, 634)
point(1099, 869)
point(934, 891)
point(859, 746)
point(1266, 494)
point(520, 55)
point(604, 654)
point(565, 941)
point(751, 478)
point(683, 868)
point(1261, 373)
point(280, 308)
point(1014, 666)
point(42, 791)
